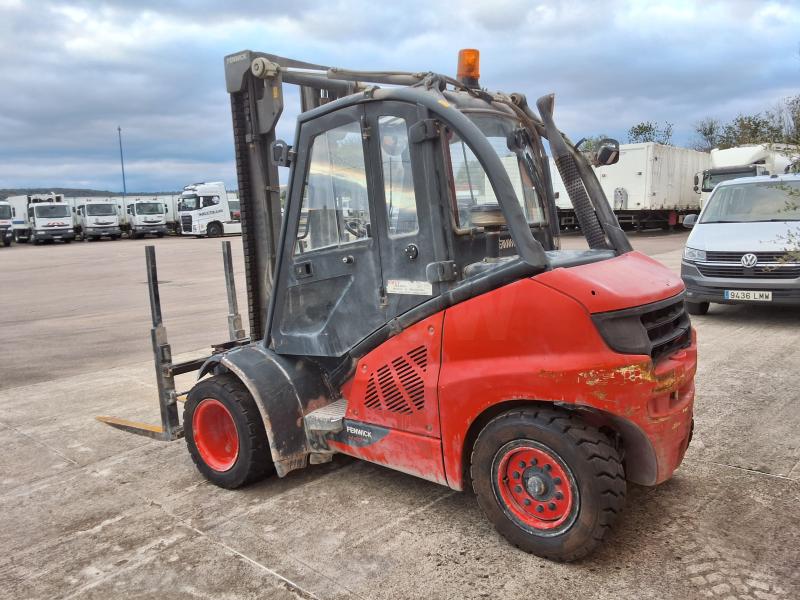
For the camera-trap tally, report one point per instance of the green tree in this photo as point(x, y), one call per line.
point(649, 131)
point(707, 134)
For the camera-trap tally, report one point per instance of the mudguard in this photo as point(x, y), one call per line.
point(285, 388)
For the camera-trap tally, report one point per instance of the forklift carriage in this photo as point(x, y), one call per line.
point(410, 306)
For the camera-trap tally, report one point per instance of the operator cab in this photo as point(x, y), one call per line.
point(394, 206)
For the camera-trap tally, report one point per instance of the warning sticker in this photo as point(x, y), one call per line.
point(405, 286)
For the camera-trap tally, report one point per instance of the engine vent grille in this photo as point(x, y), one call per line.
point(399, 386)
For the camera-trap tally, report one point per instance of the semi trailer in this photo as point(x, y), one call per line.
point(410, 306)
point(750, 160)
point(96, 218)
point(205, 210)
point(650, 186)
point(6, 224)
point(42, 217)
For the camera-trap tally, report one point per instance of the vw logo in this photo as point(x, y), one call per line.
point(749, 260)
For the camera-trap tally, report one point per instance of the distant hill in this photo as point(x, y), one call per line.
point(5, 193)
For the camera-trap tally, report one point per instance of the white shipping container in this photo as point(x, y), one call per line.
point(648, 177)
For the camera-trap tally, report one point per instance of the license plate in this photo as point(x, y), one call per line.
point(748, 295)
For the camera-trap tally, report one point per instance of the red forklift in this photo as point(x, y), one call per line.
point(409, 305)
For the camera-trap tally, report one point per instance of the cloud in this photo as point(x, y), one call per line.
point(73, 71)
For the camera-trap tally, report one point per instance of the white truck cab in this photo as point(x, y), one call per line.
point(97, 217)
point(750, 160)
point(205, 210)
point(6, 224)
point(144, 216)
point(40, 218)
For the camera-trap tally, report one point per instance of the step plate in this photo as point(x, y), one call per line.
point(327, 418)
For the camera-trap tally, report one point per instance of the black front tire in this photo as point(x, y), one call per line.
point(214, 230)
point(254, 460)
point(596, 481)
point(697, 308)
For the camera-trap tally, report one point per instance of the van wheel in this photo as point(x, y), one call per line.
point(225, 433)
point(549, 483)
point(214, 230)
point(697, 308)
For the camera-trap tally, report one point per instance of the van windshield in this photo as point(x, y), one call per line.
point(52, 212)
point(5, 211)
point(754, 202)
point(149, 208)
point(100, 210)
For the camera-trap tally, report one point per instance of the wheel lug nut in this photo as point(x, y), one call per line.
point(551, 506)
point(559, 496)
point(557, 480)
point(547, 467)
point(539, 508)
point(527, 502)
point(522, 464)
point(533, 462)
point(516, 475)
point(518, 489)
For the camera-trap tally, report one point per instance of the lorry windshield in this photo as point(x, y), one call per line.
point(472, 184)
point(711, 179)
point(149, 208)
point(191, 202)
point(754, 202)
point(5, 211)
point(52, 211)
point(100, 210)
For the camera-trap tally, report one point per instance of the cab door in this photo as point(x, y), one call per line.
point(328, 293)
point(406, 217)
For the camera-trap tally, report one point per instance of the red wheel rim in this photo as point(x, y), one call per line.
point(214, 433)
point(535, 486)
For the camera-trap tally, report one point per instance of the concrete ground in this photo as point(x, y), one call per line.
point(87, 511)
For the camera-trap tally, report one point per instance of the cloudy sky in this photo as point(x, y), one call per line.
point(72, 71)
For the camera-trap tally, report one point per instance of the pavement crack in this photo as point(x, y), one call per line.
point(40, 443)
point(756, 472)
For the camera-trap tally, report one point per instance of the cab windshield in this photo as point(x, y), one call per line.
point(100, 210)
point(5, 212)
point(52, 212)
point(710, 180)
point(754, 202)
point(189, 202)
point(472, 185)
point(149, 208)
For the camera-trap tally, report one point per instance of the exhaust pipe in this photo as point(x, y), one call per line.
point(570, 175)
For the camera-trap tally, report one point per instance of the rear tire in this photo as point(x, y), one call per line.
point(697, 308)
point(214, 230)
point(549, 483)
point(225, 434)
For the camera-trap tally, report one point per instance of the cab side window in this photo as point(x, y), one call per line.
point(335, 207)
point(210, 201)
point(398, 180)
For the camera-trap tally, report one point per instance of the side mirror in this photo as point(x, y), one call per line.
point(696, 181)
point(165, 208)
point(607, 153)
point(689, 221)
point(696, 189)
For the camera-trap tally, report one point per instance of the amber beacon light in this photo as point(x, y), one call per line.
point(469, 67)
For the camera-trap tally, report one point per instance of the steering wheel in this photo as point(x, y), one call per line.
point(356, 227)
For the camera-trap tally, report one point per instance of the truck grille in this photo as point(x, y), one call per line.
point(668, 329)
point(773, 271)
point(186, 223)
